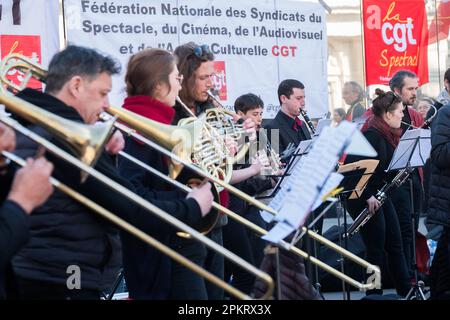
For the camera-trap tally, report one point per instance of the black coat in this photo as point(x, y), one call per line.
point(14, 233)
point(439, 203)
point(287, 134)
point(137, 256)
point(64, 232)
point(385, 151)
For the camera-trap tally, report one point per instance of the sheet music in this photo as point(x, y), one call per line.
point(332, 182)
point(359, 146)
point(322, 124)
point(302, 149)
point(279, 232)
point(302, 189)
point(408, 154)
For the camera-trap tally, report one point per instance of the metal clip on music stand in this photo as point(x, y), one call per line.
point(412, 151)
point(356, 175)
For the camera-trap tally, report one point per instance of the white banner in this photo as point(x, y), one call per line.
point(30, 27)
point(257, 44)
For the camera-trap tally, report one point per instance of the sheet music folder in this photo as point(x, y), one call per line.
point(356, 175)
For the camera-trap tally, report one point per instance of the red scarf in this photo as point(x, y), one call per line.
point(150, 108)
point(392, 135)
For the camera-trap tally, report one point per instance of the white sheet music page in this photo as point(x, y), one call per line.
point(417, 142)
point(301, 190)
point(332, 182)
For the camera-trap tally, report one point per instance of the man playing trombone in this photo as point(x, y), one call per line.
point(72, 254)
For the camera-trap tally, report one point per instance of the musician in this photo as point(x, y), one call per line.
point(21, 192)
point(338, 116)
point(152, 83)
point(236, 237)
point(444, 95)
point(353, 95)
point(196, 64)
point(381, 234)
point(439, 204)
point(291, 94)
point(72, 253)
point(405, 84)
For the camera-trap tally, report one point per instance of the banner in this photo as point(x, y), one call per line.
point(29, 27)
point(395, 38)
point(256, 44)
point(440, 25)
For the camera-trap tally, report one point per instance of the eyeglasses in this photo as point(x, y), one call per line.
point(202, 52)
point(180, 78)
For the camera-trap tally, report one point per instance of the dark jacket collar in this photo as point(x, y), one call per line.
point(284, 117)
point(50, 103)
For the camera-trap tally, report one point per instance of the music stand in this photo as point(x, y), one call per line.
point(302, 149)
point(412, 151)
point(356, 175)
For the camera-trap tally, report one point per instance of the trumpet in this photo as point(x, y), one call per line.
point(22, 110)
point(275, 164)
point(374, 270)
point(308, 121)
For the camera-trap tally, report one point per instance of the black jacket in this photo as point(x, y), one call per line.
point(139, 258)
point(14, 233)
point(287, 134)
point(385, 152)
point(64, 232)
point(439, 203)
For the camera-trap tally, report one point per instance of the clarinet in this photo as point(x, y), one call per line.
point(308, 121)
point(381, 196)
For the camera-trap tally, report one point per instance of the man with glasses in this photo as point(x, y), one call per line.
point(196, 64)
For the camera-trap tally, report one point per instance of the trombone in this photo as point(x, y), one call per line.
point(108, 215)
point(369, 267)
point(23, 108)
point(374, 270)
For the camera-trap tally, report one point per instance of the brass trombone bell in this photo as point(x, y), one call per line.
point(152, 209)
point(86, 141)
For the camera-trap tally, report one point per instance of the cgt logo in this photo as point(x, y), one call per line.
point(284, 51)
point(219, 79)
point(27, 45)
point(394, 30)
point(15, 12)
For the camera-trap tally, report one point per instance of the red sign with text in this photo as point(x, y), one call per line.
point(29, 46)
point(220, 79)
point(395, 38)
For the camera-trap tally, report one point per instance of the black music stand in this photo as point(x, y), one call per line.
point(412, 152)
point(356, 175)
point(302, 149)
